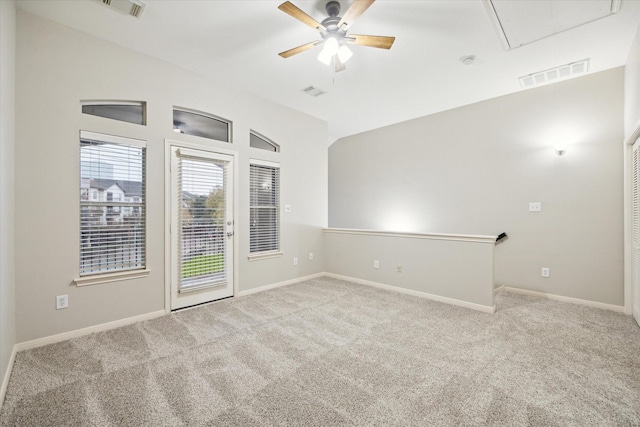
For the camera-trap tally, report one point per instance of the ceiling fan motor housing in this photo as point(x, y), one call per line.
point(331, 23)
point(333, 8)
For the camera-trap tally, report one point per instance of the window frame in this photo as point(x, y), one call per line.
point(228, 122)
point(93, 278)
point(116, 103)
point(268, 141)
point(253, 256)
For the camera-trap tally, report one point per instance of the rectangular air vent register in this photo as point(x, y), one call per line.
point(556, 74)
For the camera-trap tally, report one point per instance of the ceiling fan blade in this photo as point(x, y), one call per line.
point(382, 42)
point(293, 11)
point(299, 49)
point(356, 9)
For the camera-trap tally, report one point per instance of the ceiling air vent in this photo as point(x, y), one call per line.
point(313, 91)
point(130, 7)
point(556, 74)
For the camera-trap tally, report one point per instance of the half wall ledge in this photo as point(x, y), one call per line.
point(452, 268)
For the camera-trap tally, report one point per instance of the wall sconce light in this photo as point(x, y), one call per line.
point(560, 150)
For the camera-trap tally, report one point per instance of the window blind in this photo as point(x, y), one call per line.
point(264, 207)
point(202, 185)
point(112, 203)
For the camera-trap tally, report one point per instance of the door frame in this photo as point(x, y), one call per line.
point(210, 148)
point(628, 221)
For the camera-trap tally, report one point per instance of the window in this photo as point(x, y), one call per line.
point(124, 111)
point(263, 143)
point(205, 125)
point(112, 231)
point(264, 206)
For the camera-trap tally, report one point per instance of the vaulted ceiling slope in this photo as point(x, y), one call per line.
point(237, 43)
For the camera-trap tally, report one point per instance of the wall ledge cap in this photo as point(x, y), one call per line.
point(428, 236)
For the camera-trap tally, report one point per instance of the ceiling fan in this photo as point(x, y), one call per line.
point(333, 32)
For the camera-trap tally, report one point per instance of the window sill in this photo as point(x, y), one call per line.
point(265, 255)
point(98, 279)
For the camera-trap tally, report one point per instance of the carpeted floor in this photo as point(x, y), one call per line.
point(328, 352)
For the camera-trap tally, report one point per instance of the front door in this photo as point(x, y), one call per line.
point(201, 226)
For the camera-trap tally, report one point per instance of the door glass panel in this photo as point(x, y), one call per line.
point(202, 197)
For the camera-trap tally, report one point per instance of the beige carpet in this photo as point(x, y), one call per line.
point(328, 352)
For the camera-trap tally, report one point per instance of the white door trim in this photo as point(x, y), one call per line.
point(628, 218)
point(208, 147)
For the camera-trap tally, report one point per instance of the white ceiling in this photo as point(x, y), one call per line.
point(236, 42)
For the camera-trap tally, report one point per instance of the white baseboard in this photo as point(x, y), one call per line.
point(498, 290)
point(452, 301)
point(89, 330)
point(124, 322)
point(595, 304)
point(279, 284)
point(7, 375)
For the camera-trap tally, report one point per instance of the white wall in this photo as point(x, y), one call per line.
point(453, 269)
point(474, 169)
point(7, 217)
point(7, 147)
point(632, 88)
point(56, 69)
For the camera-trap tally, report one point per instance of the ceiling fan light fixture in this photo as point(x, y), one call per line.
point(330, 48)
point(331, 45)
point(344, 53)
point(325, 57)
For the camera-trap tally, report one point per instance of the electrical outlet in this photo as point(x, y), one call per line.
point(376, 264)
point(62, 301)
point(535, 207)
point(545, 272)
point(399, 268)
point(295, 261)
point(310, 255)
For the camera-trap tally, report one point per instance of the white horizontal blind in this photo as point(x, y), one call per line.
point(202, 207)
point(264, 206)
point(112, 204)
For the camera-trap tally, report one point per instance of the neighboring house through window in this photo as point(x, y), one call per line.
point(112, 223)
